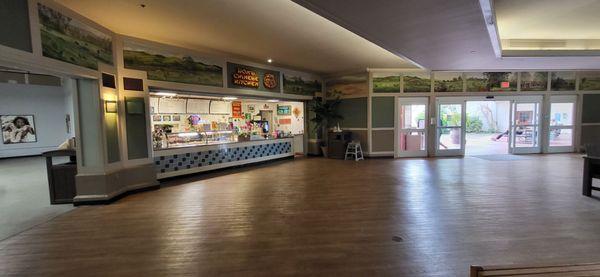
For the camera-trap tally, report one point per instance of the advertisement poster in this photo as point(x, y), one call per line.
point(236, 109)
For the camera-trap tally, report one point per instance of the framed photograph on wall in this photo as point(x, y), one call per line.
point(18, 129)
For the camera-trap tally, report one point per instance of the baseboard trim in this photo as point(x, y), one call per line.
point(108, 199)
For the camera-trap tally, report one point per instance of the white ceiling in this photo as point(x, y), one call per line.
point(548, 19)
point(254, 29)
point(437, 34)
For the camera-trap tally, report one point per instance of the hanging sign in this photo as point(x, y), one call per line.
point(245, 78)
point(249, 77)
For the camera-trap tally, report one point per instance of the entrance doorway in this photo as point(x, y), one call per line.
point(487, 127)
point(484, 126)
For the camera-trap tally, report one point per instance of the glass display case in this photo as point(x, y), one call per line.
point(187, 139)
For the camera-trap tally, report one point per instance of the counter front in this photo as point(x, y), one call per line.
point(188, 160)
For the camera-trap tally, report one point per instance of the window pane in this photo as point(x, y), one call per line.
point(412, 116)
point(561, 137)
point(525, 136)
point(450, 138)
point(526, 114)
point(450, 115)
point(412, 141)
point(561, 114)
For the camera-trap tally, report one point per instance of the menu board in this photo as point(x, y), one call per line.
point(198, 106)
point(171, 105)
point(219, 107)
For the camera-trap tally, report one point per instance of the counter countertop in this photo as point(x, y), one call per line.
point(159, 152)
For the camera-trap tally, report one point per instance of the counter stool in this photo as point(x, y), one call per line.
point(354, 149)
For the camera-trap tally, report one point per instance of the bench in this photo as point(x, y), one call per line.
point(580, 270)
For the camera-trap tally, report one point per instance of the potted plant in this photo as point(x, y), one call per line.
point(326, 115)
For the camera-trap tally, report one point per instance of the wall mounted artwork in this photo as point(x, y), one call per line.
point(491, 81)
point(349, 85)
point(70, 40)
point(563, 80)
point(293, 84)
point(417, 82)
point(589, 80)
point(534, 81)
point(18, 129)
point(448, 82)
point(164, 65)
point(386, 82)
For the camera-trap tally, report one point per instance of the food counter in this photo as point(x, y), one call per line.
point(181, 160)
point(195, 133)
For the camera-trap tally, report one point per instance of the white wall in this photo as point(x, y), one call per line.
point(47, 104)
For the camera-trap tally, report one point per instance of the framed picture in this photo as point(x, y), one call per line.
point(166, 118)
point(284, 110)
point(18, 129)
point(176, 118)
point(157, 118)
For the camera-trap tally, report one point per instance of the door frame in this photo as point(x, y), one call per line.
point(540, 131)
point(572, 99)
point(447, 101)
point(424, 100)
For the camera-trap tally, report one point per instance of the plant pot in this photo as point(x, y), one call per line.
point(324, 150)
point(455, 136)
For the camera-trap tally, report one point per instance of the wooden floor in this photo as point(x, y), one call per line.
point(404, 217)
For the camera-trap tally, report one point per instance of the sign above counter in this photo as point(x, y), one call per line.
point(249, 77)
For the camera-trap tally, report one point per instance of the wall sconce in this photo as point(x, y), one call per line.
point(110, 106)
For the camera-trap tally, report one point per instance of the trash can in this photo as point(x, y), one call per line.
point(61, 177)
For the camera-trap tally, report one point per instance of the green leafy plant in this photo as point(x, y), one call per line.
point(474, 124)
point(326, 113)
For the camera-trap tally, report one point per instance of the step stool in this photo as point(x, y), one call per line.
point(354, 149)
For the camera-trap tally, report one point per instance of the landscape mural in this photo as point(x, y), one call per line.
point(69, 40)
point(300, 85)
point(563, 80)
point(163, 66)
point(589, 81)
point(534, 81)
point(491, 81)
point(350, 85)
point(417, 82)
point(386, 82)
point(448, 82)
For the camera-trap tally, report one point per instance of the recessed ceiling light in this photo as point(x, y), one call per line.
point(269, 60)
point(273, 100)
point(229, 98)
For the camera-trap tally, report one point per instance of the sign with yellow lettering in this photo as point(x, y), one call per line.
point(249, 77)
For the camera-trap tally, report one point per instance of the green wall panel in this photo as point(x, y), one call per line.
point(137, 137)
point(590, 112)
point(382, 110)
point(354, 111)
point(14, 24)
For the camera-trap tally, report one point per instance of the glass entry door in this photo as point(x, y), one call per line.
point(411, 137)
point(525, 125)
point(561, 124)
point(450, 133)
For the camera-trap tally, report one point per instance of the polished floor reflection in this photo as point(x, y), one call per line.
point(404, 217)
